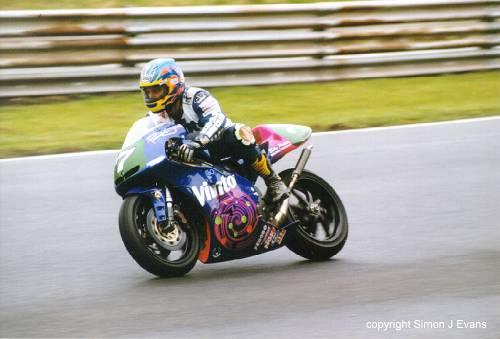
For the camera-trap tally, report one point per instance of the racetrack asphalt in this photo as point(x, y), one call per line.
point(424, 245)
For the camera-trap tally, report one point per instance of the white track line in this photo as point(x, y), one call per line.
point(358, 130)
point(61, 155)
point(422, 124)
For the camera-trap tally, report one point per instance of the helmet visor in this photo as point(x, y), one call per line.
point(154, 93)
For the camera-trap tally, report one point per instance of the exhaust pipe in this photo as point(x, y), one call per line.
point(299, 167)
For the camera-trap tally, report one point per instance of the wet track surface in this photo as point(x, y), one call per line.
point(424, 245)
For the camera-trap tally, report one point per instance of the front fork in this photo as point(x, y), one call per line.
point(163, 204)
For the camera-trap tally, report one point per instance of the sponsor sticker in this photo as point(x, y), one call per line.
point(200, 96)
point(174, 80)
point(206, 192)
point(261, 237)
point(216, 252)
point(208, 105)
point(269, 236)
point(148, 74)
point(279, 147)
point(153, 137)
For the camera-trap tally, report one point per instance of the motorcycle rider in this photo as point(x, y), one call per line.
point(168, 96)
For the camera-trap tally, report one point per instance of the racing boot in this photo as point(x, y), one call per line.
point(276, 189)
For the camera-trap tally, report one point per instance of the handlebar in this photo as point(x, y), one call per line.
point(172, 150)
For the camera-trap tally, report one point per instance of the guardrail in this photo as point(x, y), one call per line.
point(53, 52)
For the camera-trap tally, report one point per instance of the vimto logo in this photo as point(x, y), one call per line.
point(207, 192)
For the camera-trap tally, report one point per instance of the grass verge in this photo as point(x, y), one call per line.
point(96, 122)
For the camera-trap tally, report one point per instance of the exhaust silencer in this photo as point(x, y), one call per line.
point(299, 167)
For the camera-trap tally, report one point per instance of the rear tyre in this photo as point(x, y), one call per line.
point(165, 253)
point(322, 226)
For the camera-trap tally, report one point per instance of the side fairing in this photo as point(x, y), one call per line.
point(130, 161)
point(229, 205)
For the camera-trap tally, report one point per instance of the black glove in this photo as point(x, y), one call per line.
point(187, 149)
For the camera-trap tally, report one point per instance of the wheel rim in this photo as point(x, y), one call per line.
point(317, 211)
point(174, 246)
point(171, 238)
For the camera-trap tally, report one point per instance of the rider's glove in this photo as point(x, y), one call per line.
point(187, 149)
point(201, 139)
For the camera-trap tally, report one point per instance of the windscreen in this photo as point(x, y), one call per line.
point(140, 128)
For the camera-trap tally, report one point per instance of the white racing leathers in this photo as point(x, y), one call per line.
point(201, 113)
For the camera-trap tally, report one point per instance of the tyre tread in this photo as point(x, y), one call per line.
point(298, 243)
point(139, 252)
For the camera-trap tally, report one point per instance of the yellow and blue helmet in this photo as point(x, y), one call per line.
point(162, 82)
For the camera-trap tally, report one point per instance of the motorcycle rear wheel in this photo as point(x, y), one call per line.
point(146, 249)
point(322, 227)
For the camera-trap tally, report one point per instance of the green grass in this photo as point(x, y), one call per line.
point(101, 121)
point(67, 4)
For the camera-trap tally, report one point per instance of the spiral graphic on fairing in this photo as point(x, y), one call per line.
point(234, 221)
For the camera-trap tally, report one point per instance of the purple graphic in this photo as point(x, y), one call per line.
point(234, 221)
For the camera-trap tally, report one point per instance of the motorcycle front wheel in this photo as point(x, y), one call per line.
point(321, 221)
point(162, 251)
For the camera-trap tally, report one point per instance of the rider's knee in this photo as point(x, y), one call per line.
point(244, 134)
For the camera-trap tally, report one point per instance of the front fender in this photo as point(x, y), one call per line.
point(140, 190)
point(157, 197)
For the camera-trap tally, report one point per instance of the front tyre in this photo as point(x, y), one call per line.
point(166, 253)
point(322, 226)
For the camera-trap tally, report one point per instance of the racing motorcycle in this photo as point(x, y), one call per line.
point(175, 213)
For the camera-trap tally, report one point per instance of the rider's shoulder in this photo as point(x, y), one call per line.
point(195, 95)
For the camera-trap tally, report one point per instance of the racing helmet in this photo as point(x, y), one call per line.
point(162, 82)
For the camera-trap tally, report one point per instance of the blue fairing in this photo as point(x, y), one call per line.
point(192, 179)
